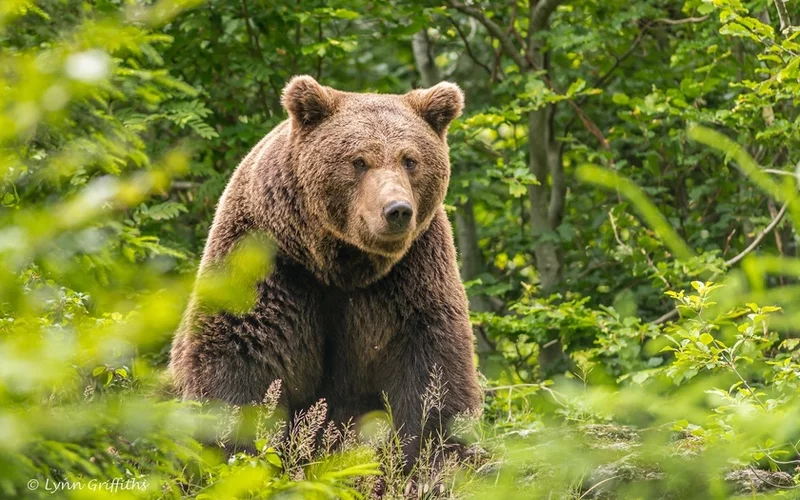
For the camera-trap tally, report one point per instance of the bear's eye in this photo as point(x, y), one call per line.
point(360, 164)
point(409, 164)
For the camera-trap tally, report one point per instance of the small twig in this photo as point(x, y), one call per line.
point(780, 172)
point(728, 242)
point(468, 47)
point(777, 233)
point(734, 260)
point(665, 317)
point(587, 122)
point(686, 20)
point(551, 343)
point(732, 364)
point(510, 387)
point(758, 472)
point(619, 59)
point(654, 268)
point(781, 462)
point(510, 391)
point(553, 395)
point(616, 233)
point(596, 485)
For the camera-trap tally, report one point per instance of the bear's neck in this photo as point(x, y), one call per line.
point(288, 223)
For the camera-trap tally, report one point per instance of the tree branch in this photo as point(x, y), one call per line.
point(257, 53)
point(619, 59)
point(736, 259)
point(757, 240)
point(467, 46)
point(666, 317)
point(531, 32)
point(686, 20)
point(540, 15)
point(318, 75)
point(495, 30)
point(496, 70)
point(783, 15)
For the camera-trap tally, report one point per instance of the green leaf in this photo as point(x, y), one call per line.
point(345, 14)
point(621, 99)
point(274, 459)
point(576, 87)
point(517, 190)
point(165, 211)
point(705, 8)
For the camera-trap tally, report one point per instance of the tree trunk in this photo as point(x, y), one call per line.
point(467, 233)
point(546, 209)
point(548, 198)
point(472, 266)
point(543, 151)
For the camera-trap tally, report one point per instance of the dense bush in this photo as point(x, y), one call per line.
point(624, 200)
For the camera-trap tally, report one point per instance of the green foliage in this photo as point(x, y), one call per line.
point(677, 128)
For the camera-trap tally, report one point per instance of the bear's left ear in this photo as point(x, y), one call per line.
point(308, 102)
point(438, 105)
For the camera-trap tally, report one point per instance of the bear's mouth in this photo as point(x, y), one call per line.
point(386, 244)
point(392, 236)
point(381, 240)
point(392, 242)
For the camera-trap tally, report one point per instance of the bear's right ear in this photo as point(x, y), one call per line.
point(308, 102)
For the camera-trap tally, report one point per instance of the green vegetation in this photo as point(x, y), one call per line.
point(624, 197)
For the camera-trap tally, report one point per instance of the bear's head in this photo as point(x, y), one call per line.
point(372, 169)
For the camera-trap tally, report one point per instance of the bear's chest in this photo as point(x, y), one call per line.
point(359, 325)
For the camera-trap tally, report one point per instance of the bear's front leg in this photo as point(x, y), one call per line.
point(428, 370)
point(431, 379)
point(233, 358)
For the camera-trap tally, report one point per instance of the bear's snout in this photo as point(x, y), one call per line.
point(398, 215)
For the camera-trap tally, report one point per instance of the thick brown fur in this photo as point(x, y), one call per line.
point(350, 310)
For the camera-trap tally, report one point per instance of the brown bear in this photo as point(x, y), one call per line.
point(364, 296)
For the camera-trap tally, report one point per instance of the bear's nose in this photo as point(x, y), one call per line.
point(398, 215)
